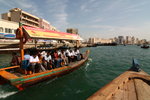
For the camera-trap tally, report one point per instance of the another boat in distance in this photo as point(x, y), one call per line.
point(145, 46)
point(133, 84)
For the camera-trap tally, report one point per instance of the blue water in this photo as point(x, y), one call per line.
point(104, 64)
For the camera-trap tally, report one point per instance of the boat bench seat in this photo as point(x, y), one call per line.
point(8, 76)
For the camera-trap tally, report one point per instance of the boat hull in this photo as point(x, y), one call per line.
point(29, 80)
point(130, 85)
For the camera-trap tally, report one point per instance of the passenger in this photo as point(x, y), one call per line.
point(47, 61)
point(53, 60)
point(77, 55)
point(15, 59)
point(63, 56)
point(59, 62)
point(67, 52)
point(34, 63)
point(25, 63)
point(26, 55)
point(71, 56)
point(43, 53)
point(55, 56)
point(81, 55)
point(41, 61)
point(58, 52)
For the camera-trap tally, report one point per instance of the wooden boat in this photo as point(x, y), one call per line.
point(145, 46)
point(133, 84)
point(20, 80)
point(14, 76)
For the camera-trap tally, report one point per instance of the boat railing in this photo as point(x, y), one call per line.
point(12, 67)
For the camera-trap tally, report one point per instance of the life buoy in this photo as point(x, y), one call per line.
point(18, 31)
point(20, 34)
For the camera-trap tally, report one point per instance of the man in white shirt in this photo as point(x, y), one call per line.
point(34, 63)
point(47, 63)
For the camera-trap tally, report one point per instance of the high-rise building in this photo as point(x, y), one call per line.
point(120, 39)
point(133, 40)
point(72, 30)
point(116, 40)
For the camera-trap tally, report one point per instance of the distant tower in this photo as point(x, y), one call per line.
point(72, 30)
point(120, 39)
point(133, 40)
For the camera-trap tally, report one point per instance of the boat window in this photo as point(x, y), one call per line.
point(9, 31)
point(6, 30)
point(14, 31)
point(1, 29)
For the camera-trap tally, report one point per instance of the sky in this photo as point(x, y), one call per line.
point(93, 18)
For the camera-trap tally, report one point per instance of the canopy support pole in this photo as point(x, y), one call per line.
point(77, 43)
point(21, 45)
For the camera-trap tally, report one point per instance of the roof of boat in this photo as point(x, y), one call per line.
point(39, 33)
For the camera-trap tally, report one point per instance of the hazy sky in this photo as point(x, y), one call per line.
point(93, 18)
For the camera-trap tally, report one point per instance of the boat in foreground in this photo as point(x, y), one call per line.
point(133, 84)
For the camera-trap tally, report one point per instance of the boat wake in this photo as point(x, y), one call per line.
point(88, 63)
point(86, 67)
point(6, 94)
point(48, 82)
point(90, 59)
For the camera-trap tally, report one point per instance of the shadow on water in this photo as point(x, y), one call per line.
point(105, 63)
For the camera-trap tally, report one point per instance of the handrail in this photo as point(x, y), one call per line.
point(9, 67)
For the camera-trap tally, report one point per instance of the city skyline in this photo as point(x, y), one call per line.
point(93, 18)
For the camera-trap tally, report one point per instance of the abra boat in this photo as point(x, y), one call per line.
point(14, 76)
point(145, 46)
point(21, 81)
point(133, 84)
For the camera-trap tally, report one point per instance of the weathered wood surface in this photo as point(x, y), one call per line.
point(128, 86)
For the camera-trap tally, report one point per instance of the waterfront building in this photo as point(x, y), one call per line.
point(116, 40)
point(53, 28)
point(93, 40)
point(44, 24)
point(8, 28)
point(137, 41)
point(72, 30)
point(143, 41)
point(18, 15)
point(132, 40)
point(127, 40)
point(106, 41)
point(120, 39)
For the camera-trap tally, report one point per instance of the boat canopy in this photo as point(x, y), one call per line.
point(38, 33)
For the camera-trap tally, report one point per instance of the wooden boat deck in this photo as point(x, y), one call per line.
point(128, 86)
point(7, 75)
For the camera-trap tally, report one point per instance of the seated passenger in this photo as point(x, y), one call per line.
point(25, 63)
point(77, 55)
point(71, 56)
point(15, 59)
point(47, 61)
point(43, 53)
point(81, 55)
point(55, 58)
point(63, 56)
point(34, 63)
point(59, 62)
